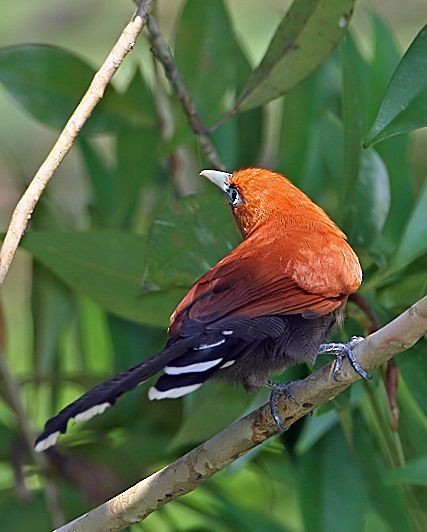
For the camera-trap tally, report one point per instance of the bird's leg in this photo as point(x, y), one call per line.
point(341, 350)
point(278, 389)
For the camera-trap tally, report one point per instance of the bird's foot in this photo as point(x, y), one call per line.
point(342, 350)
point(279, 389)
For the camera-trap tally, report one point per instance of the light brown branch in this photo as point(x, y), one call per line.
point(188, 472)
point(94, 94)
point(161, 51)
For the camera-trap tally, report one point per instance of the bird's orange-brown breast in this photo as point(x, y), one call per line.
point(293, 258)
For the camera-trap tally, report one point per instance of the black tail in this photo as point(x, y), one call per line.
point(105, 394)
point(187, 363)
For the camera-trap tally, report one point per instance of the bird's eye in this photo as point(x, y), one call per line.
point(234, 196)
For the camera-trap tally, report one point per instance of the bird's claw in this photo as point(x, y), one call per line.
point(341, 351)
point(279, 389)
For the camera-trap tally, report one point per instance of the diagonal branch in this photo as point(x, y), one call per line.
point(161, 51)
point(94, 94)
point(188, 472)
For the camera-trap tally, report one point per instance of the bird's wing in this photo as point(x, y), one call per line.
point(248, 285)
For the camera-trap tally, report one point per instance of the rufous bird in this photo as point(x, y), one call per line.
point(269, 304)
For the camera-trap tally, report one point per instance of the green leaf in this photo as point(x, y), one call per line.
point(249, 128)
point(413, 370)
point(303, 147)
point(49, 82)
point(131, 339)
point(414, 241)
point(325, 491)
point(315, 427)
point(304, 38)
point(385, 58)
point(394, 150)
point(53, 308)
point(404, 106)
point(403, 293)
point(187, 238)
point(215, 406)
point(103, 181)
point(370, 201)
point(351, 118)
point(106, 266)
point(414, 472)
point(137, 157)
point(203, 55)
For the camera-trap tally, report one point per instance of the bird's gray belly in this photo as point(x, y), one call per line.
point(298, 343)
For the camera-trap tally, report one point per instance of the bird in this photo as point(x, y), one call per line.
point(271, 303)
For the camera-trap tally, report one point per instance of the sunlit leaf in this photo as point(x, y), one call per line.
point(305, 36)
point(404, 106)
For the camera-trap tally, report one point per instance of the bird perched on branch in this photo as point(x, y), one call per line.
point(267, 305)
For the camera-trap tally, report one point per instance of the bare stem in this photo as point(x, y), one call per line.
point(162, 53)
point(94, 94)
point(189, 471)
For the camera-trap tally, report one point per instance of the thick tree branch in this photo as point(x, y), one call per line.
point(94, 94)
point(187, 472)
point(161, 51)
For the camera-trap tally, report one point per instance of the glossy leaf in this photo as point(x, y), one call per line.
point(106, 266)
point(404, 106)
point(304, 38)
point(49, 82)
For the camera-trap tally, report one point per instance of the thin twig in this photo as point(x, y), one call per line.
point(188, 472)
point(94, 94)
point(161, 51)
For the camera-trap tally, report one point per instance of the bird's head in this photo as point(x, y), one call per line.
point(258, 196)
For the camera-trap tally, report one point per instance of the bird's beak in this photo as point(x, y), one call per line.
point(220, 179)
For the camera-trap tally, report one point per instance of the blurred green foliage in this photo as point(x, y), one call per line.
point(101, 297)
